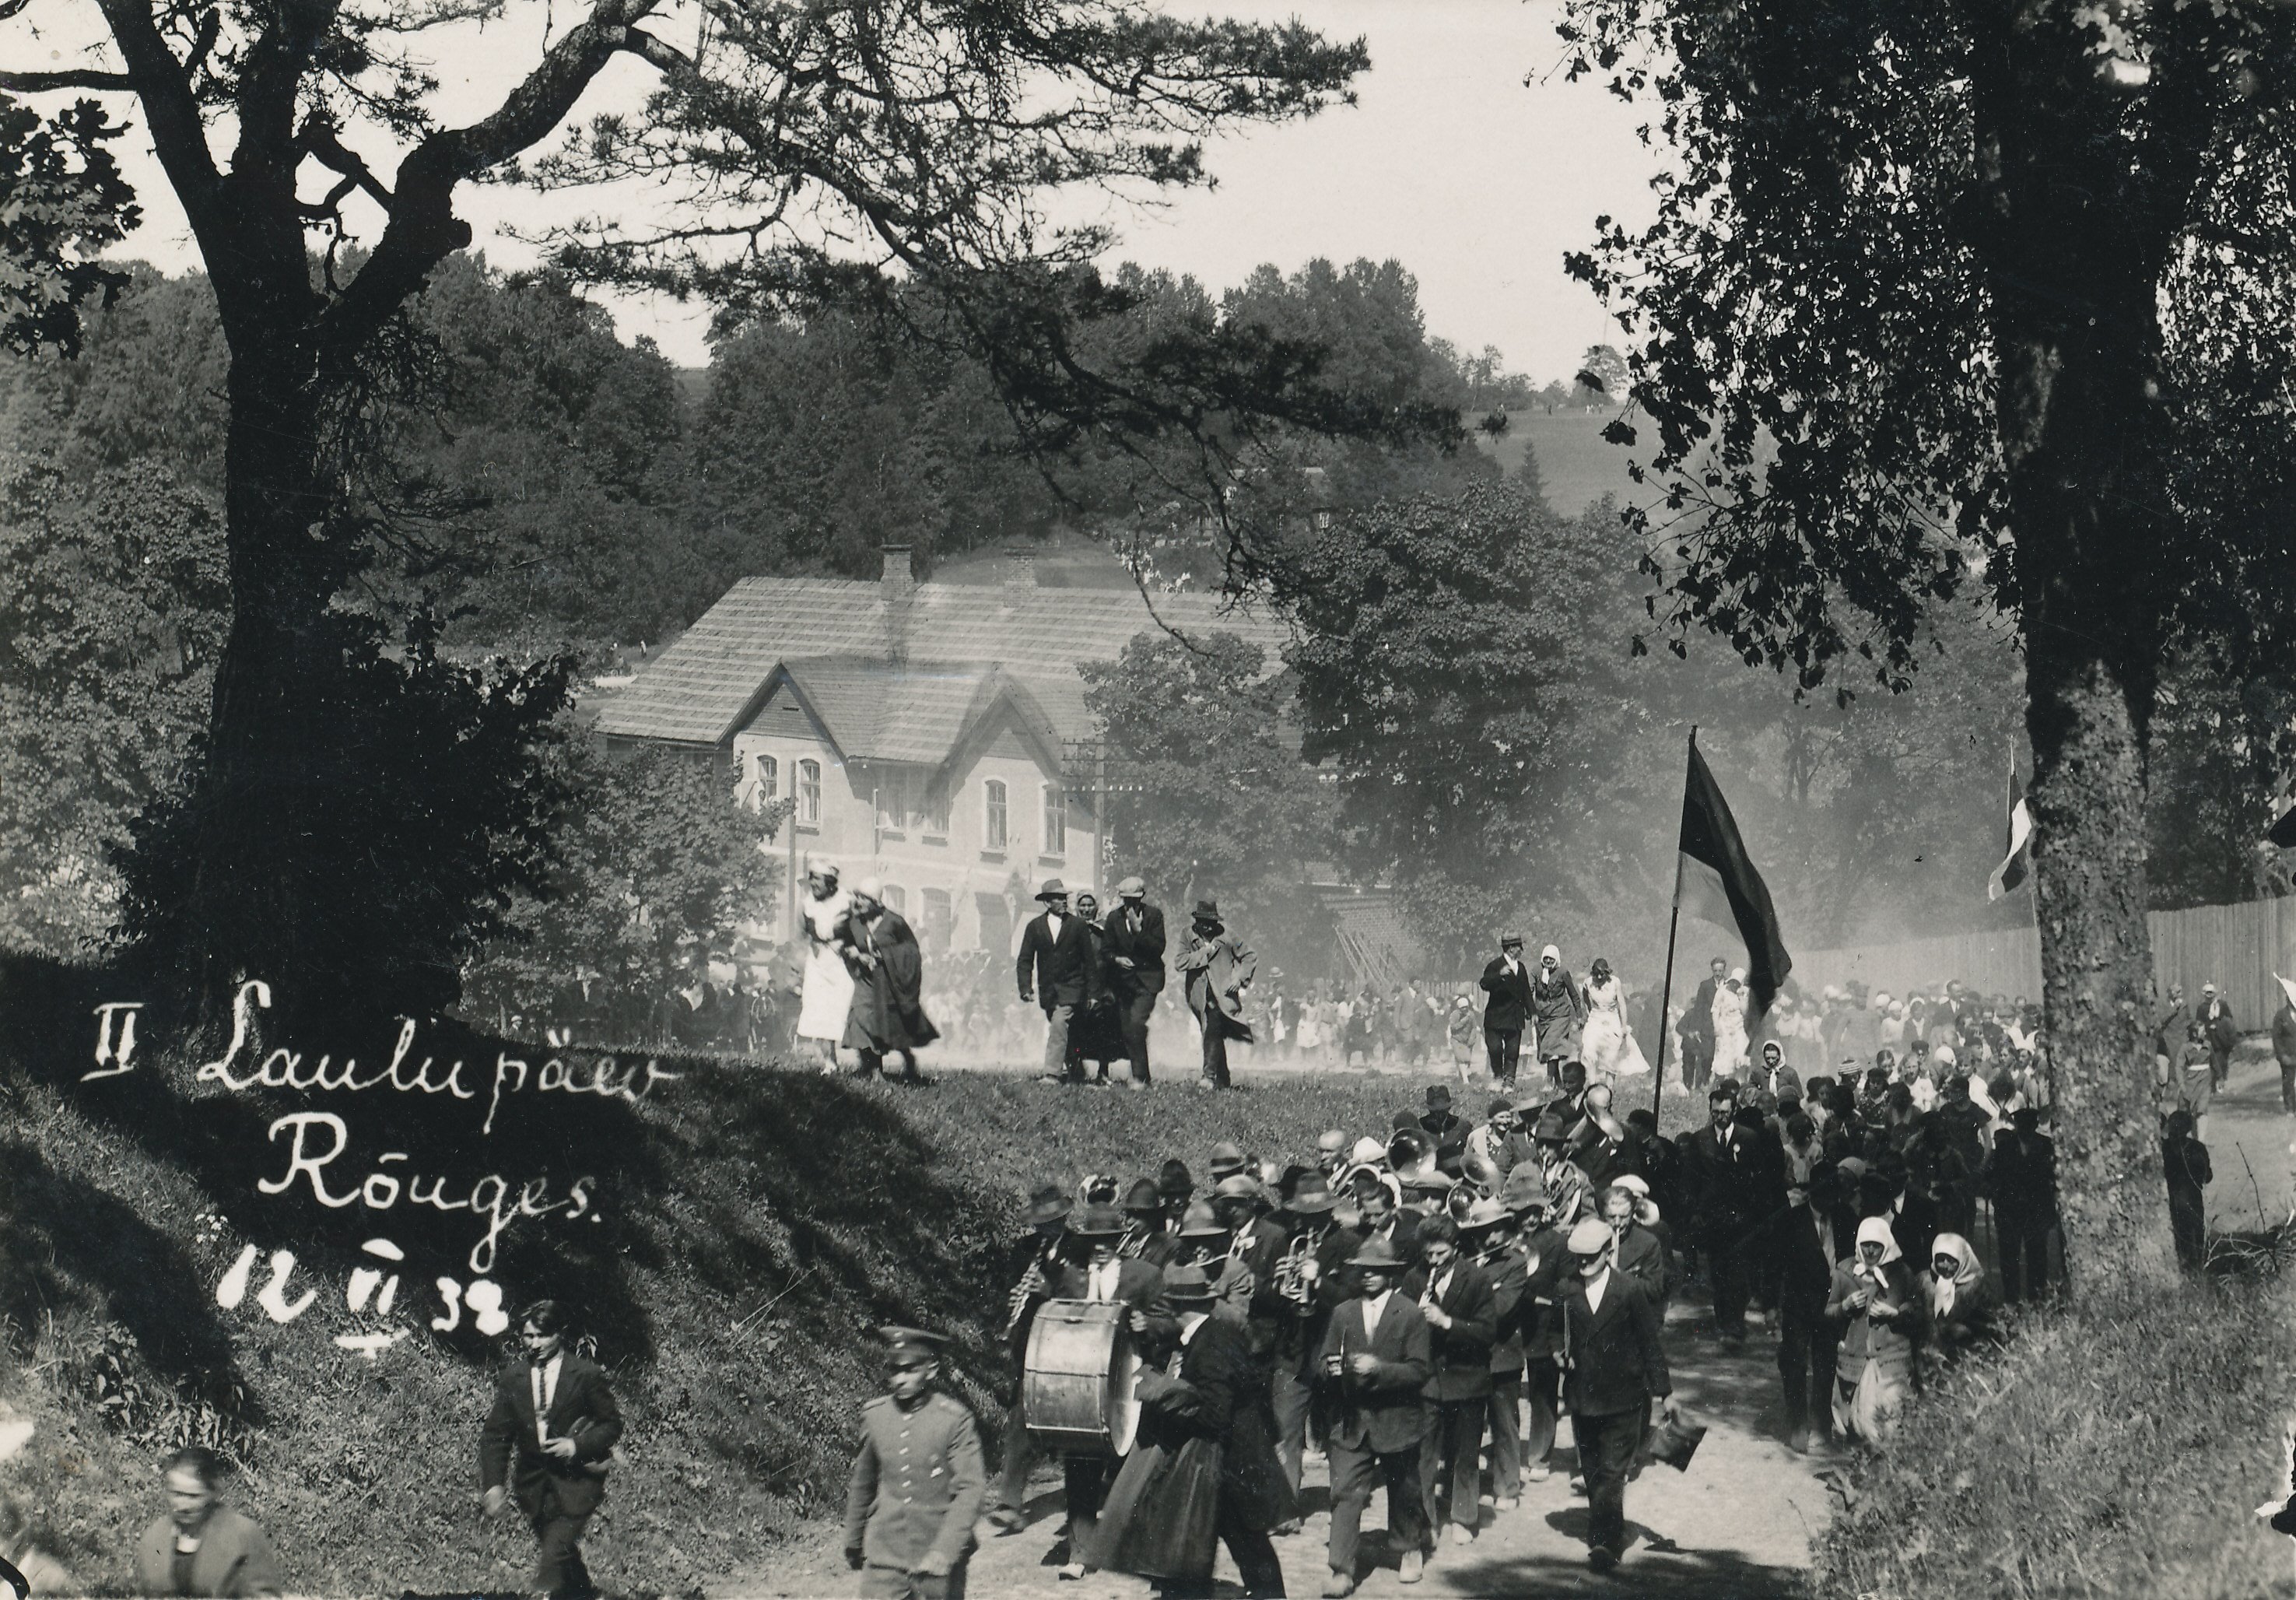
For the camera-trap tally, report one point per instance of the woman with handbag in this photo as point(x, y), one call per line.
point(1203, 1470)
point(1877, 1305)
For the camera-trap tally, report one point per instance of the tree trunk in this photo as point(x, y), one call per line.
point(260, 826)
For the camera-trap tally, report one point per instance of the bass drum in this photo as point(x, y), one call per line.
point(1079, 1377)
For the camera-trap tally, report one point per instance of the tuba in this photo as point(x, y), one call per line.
point(1479, 1173)
point(1410, 1154)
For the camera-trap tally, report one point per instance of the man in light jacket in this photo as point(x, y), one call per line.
point(1218, 967)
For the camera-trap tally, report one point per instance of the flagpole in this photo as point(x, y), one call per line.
point(1666, 989)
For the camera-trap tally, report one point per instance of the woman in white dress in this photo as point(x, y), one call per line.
point(827, 994)
point(1730, 1025)
point(1605, 1043)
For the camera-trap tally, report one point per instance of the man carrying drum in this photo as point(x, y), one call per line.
point(1093, 1271)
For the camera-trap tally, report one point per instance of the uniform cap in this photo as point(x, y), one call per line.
point(911, 1347)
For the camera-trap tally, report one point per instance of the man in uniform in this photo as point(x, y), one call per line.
point(917, 1481)
point(1133, 941)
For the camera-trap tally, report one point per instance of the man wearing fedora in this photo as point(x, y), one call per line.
point(1507, 982)
point(1055, 972)
point(1212, 1392)
point(1308, 1283)
point(917, 1481)
point(1132, 940)
point(1376, 1362)
point(1037, 1268)
point(1094, 1271)
point(1489, 1233)
point(1617, 1367)
point(1219, 968)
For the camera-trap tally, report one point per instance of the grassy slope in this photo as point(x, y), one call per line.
point(843, 1205)
point(1577, 466)
point(2114, 1451)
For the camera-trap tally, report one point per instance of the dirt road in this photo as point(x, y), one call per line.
point(1736, 1526)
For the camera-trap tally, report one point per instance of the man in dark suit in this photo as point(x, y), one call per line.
point(1055, 972)
point(1132, 940)
point(1507, 982)
point(1094, 1271)
point(1462, 1325)
point(1720, 1177)
point(554, 1425)
point(1617, 1366)
point(1215, 1392)
point(1698, 1028)
point(1376, 1362)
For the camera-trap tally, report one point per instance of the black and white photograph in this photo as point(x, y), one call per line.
point(1142, 800)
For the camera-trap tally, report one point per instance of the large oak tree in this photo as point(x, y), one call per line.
point(1982, 301)
point(795, 149)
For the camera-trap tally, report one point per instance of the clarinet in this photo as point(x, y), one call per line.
point(1032, 1286)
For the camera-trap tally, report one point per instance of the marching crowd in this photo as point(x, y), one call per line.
point(1424, 1303)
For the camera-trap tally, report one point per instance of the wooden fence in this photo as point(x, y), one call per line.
point(2236, 947)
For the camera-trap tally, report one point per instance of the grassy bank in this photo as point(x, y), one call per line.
point(2116, 1449)
point(753, 1224)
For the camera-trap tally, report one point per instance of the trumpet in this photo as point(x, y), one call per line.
point(1291, 1280)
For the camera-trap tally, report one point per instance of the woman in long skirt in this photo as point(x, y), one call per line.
point(827, 994)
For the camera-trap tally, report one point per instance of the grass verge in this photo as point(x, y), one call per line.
point(2114, 1448)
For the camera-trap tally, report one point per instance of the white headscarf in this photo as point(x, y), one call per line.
point(1551, 954)
point(1966, 1272)
point(1875, 1230)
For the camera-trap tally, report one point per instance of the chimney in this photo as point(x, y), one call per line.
point(899, 587)
point(1020, 567)
point(900, 580)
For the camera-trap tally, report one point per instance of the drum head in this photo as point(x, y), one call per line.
point(1123, 1403)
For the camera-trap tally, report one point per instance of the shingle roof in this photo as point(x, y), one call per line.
point(879, 711)
point(703, 687)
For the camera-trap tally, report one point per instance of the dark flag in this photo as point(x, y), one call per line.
point(2283, 832)
point(2016, 868)
point(1715, 879)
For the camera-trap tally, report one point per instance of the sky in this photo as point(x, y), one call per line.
point(1476, 180)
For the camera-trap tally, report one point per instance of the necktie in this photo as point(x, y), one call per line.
point(543, 1389)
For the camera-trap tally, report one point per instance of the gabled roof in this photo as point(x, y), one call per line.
point(707, 684)
point(920, 711)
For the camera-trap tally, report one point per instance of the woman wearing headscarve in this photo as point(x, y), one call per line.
point(1730, 1026)
point(1879, 1308)
point(1558, 1010)
point(1960, 1304)
point(1606, 1044)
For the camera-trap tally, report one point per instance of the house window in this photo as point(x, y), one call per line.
point(994, 827)
point(896, 898)
point(932, 813)
point(768, 775)
point(1057, 820)
point(809, 793)
point(939, 919)
point(897, 800)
